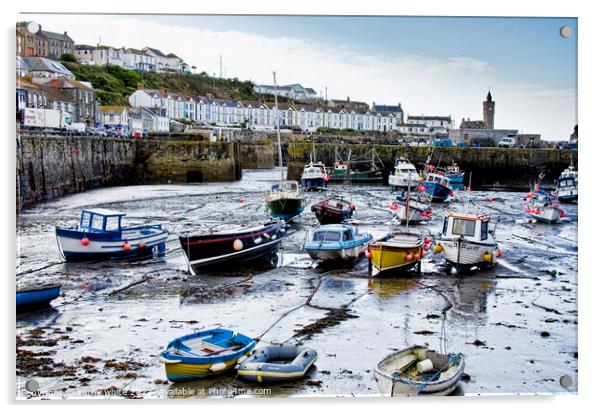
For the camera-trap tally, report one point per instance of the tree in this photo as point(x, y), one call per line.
point(67, 57)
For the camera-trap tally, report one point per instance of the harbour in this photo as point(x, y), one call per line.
point(515, 323)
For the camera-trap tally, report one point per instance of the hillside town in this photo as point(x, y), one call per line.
point(44, 82)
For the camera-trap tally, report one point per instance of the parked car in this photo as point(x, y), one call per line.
point(507, 142)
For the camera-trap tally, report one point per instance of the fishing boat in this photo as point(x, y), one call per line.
point(404, 174)
point(204, 353)
point(354, 171)
point(101, 235)
point(284, 200)
point(543, 206)
point(418, 371)
point(314, 176)
point(37, 297)
point(437, 186)
point(397, 253)
point(277, 364)
point(455, 175)
point(333, 210)
point(409, 208)
point(466, 240)
point(567, 185)
point(336, 242)
point(234, 246)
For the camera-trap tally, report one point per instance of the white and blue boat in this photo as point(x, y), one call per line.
point(337, 242)
point(455, 175)
point(205, 353)
point(37, 297)
point(542, 207)
point(314, 177)
point(437, 186)
point(101, 235)
point(567, 185)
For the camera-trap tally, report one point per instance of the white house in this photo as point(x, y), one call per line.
point(138, 60)
point(434, 123)
point(294, 91)
point(114, 117)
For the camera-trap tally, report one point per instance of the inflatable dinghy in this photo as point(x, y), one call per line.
point(277, 364)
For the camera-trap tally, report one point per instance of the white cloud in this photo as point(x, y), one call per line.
point(423, 84)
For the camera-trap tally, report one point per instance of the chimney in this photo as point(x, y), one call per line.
point(66, 33)
point(140, 86)
point(164, 90)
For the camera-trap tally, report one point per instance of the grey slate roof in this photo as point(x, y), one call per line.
point(43, 64)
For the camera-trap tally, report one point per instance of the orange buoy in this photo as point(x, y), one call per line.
point(438, 248)
point(427, 240)
point(141, 245)
point(416, 256)
point(126, 246)
point(84, 241)
point(409, 256)
point(237, 245)
point(499, 253)
point(426, 247)
point(490, 199)
point(241, 200)
point(368, 254)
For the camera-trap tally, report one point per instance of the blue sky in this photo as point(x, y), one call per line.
point(431, 65)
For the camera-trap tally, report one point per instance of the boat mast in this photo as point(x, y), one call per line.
point(278, 130)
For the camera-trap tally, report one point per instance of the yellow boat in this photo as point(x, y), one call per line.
point(396, 254)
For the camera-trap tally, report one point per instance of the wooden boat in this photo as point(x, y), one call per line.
point(231, 248)
point(336, 242)
point(277, 364)
point(285, 201)
point(396, 254)
point(412, 209)
point(353, 171)
point(404, 174)
point(455, 175)
point(542, 207)
point(100, 235)
point(37, 297)
point(418, 371)
point(437, 186)
point(205, 353)
point(467, 240)
point(333, 210)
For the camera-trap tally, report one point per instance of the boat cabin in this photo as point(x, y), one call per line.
point(341, 167)
point(334, 233)
point(101, 220)
point(439, 179)
point(454, 169)
point(311, 169)
point(569, 173)
point(566, 182)
point(403, 166)
point(285, 186)
point(473, 227)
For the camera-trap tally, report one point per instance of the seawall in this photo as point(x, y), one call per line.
point(491, 168)
point(49, 167)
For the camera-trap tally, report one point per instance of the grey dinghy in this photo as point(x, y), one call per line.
point(418, 371)
point(277, 364)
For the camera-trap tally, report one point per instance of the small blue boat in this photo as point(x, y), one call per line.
point(437, 187)
point(567, 185)
point(30, 298)
point(277, 364)
point(337, 242)
point(100, 235)
point(455, 175)
point(314, 177)
point(205, 353)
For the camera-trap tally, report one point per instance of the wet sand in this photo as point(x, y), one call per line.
point(516, 324)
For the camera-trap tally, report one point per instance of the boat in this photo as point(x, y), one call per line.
point(204, 353)
point(466, 240)
point(542, 206)
point(353, 171)
point(101, 235)
point(567, 185)
point(436, 186)
point(232, 247)
point(284, 200)
point(409, 208)
point(335, 242)
point(37, 297)
point(404, 174)
point(418, 371)
point(455, 175)
point(277, 364)
point(396, 253)
point(333, 210)
point(314, 176)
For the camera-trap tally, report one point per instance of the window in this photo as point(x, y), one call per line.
point(484, 232)
point(326, 236)
point(85, 221)
point(463, 227)
point(112, 224)
point(97, 222)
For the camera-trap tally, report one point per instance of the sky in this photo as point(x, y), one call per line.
point(431, 65)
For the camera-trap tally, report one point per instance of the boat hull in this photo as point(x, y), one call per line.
point(436, 192)
point(343, 254)
point(261, 368)
point(403, 181)
point(327, 214)
point(36, 297)
point(547, 215)
point(456, 180)
point(127, 244)
point(376, 176)
point(468, 253)
point(389, 260)
point(315, 184)
point(258, 246)
point(285, 208)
